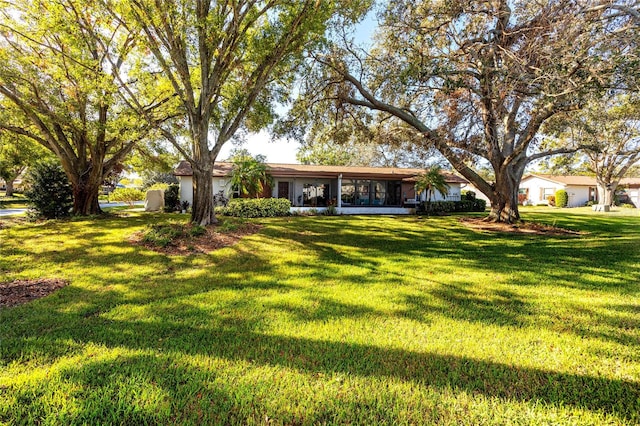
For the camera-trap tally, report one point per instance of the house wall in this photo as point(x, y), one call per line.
point(578, 195)
point(537, 186)
point(296, 186)
point(186, 189)
point(634, 195)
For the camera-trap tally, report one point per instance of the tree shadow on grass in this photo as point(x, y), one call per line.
point(239, 341)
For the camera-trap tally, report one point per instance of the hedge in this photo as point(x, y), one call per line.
point(440, 207)
point(562, 198)
point(257, 207)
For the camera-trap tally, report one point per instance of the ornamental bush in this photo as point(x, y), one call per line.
point(172, 198)
point(49, 191)
point(257, 207)
point(444, 207)
point(127, 195)
point(562, 198)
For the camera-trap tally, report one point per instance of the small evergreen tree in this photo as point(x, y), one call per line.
point(562, 198)
point(49, 190)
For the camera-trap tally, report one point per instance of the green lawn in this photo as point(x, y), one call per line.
point(18, 201)
point(327, 320)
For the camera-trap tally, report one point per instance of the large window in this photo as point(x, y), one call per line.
point(371, 192)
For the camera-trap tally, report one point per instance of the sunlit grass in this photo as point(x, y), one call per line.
point(360, 320)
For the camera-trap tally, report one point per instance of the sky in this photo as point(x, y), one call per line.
point(281, 150)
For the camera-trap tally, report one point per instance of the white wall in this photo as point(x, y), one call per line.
point(535, 185)
point(578, 195)
point(186, 189)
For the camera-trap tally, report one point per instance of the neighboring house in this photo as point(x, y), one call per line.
point(536, 188)
point(353, 190)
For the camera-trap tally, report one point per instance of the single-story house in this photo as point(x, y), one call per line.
point(536, 188)
point(353, 190)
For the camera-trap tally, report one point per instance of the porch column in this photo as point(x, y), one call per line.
point(339, 200)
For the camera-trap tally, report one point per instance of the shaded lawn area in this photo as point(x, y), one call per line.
point(18, 201)
point(360, 320)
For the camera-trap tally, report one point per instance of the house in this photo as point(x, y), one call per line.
point(536, 188)
point(353, 190)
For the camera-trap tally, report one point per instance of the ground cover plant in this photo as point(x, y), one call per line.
point(326, 320)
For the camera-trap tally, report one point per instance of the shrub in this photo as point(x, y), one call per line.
point(331, 210)
point(258, 207)
point(551, 200)
point(49, 192)
point(127, 195)
point(444, 207)
point(468, 195)
point(562, 198)
point(589, 203)
point(172, 198)
point(163, 186)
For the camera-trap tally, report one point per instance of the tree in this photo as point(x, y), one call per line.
point(477, 79)
point(249, 174)
point(228, 63)
point(432, 180)
point(16, 154)
point(610, 128)
point(61, 86)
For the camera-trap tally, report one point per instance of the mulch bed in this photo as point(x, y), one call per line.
point(22, 291)
point(211, 240)
point(518, 228)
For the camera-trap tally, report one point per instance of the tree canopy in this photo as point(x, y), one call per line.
point(61, 84)
point(228, 64)
point(477, 79)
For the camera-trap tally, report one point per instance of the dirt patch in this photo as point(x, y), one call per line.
point(213, 238)
point(22, 291)
point(518, 228)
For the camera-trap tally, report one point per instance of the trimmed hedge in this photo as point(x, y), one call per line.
point(562, 198)
point(442, 207)
point(257, 207)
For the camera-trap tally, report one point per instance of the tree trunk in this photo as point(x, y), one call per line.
point(504, 197)
point(85, 196)
point(606, 192)
point(9, 185)
point(202, 211)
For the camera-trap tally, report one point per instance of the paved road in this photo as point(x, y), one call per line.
point(11, 212)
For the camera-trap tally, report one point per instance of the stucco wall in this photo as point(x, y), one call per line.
point(186, 189)
point(535, 185)
point(578, 195)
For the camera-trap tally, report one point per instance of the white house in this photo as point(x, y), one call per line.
point(353, 190)
point(536, 188)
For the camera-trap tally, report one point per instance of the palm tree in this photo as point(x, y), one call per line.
point(249, 174)
point(432, 180)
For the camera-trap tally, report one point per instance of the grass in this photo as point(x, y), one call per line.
point(18, 201)
point(327, 320)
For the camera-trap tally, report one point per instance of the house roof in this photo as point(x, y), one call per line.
point(565, 179)
point(579, 180)
point(222, 169)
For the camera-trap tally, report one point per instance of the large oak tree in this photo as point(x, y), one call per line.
point(61, 66)
point(229, 62)
point(477, 79)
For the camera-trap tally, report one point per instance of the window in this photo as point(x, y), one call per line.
point(545, 193)
point(371, 193)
